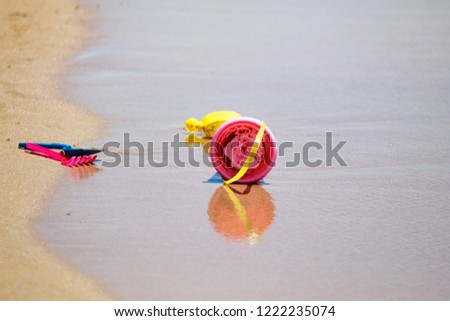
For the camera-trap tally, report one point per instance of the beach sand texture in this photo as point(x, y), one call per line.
point(374, 73)
point(35, 39)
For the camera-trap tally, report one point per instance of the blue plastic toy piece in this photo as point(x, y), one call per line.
point(67, 149)
point(47, 145)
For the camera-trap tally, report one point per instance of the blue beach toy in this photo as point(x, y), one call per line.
point(68, 150)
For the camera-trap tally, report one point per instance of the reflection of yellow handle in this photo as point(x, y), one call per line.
point(242, 213)
point(250, 156)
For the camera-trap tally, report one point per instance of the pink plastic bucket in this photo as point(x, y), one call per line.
point(231, 145)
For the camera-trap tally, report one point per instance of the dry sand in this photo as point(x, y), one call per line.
point(35, 39)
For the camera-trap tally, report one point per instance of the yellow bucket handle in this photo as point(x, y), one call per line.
point(250, 156)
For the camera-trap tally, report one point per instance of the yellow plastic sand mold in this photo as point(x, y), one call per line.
point(210, 122)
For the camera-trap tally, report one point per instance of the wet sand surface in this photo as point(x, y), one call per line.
point(375, 74)
point(36, 38)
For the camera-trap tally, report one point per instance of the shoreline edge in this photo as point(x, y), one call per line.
point(36, 39)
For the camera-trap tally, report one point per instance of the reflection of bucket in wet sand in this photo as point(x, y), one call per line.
point(241, 212)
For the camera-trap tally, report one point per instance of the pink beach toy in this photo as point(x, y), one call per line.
point(231, 146)
point(65, 160)
point(79, 160)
